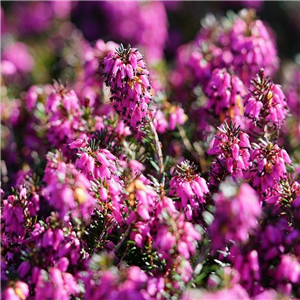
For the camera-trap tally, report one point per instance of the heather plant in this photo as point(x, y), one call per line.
point(128, 172)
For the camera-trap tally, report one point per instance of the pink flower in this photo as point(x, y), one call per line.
point(231, 148)
point(225, 94)
point(19, 56)
point(67, 190)
point(189, 187)
point(127, 77)
point(266, 103)
point(237, 213)
point(268, 166)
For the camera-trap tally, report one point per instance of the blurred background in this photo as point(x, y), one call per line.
point(49, 29)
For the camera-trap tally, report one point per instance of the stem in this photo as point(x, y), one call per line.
point(123, 238)
point(158, 148)
point(194, 149)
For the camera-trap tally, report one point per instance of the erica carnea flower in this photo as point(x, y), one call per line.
point(175, 240)
point(127, 76)
point(225, 94)
point(94, 162)
point(288, 269)
point(67, 189)
point(269, 162)
point(104, 281)
point(65, 122)
point(266, 103)
point(167, 117)
point(190, 187)
point(19, 291)
point(231, 147)
point(252, 45)
point(13, 219)
point(56, 285)
point(237, 213)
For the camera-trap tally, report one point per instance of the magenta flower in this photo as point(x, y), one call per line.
point(101, 167)
point(127, 77)
point(231, 147)
point(252, 45)
point(236, 216)
point(167, 118)
point(189, 187)
point(225, 94)
point(56, 285)
point(65, 122)
point(20, 291)
point(13, 218)
point(67, 190)
point(177, 235)
point(266, 103)
point(289, 269)
point(18, 54)
point(268, 166)
point(109, 282)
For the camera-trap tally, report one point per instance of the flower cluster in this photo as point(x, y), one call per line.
point(245, 47)
point(67, 190)
point(269, 165)
point(190, 188)
point(127, 76)
point(101, 197)
point(225, 94)
point(266, 103)
point(231, 148)
point(65, 117)
point(237, 213)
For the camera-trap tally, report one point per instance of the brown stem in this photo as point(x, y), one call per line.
point(123, 238)
point(195, 149)
point(158, 148)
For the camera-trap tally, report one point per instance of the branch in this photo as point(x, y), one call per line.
point(195, 149)
point(158, 148)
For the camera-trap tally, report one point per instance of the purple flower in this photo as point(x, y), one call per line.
point(33, 17)
point(56, 285)
point(20, 291)
point(268, 165)
point(266, 103)
point(148, 28)
point(225, 94)
point(236, 216)
point(127, 77)
point(19, 56)
point(231, 148)
point(189, 187)
point(67, 190)
point(65, 122)
point(252, 45)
